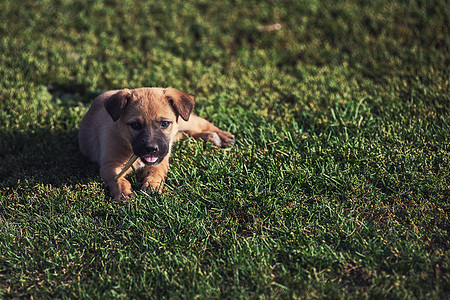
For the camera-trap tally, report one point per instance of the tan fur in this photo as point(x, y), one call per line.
point(109, 142)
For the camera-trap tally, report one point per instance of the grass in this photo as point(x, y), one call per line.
point(338, 186)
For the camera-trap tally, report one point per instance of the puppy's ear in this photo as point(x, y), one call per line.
point(116, 103)
point(181, 102)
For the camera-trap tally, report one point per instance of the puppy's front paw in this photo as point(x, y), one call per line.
point(123, 199)
point(151, 188)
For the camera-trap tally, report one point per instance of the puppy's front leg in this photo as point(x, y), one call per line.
point(154, 176)
point(120, 189)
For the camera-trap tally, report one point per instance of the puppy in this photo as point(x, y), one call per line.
point(145, 122)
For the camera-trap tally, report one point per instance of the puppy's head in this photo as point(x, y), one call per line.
point(148, 119)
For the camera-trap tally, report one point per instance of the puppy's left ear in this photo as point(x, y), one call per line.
point(115, 104)
point(181, 102)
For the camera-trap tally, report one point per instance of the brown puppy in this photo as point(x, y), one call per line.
point(144, 122)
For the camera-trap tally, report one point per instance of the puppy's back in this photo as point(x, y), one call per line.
point(92, 127)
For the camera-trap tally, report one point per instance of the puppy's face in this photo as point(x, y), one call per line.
point(150, 123)
point(148, 119)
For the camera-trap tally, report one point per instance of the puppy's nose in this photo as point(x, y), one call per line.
point(151, 149)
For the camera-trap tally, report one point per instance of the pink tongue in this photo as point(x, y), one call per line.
point(150, 159)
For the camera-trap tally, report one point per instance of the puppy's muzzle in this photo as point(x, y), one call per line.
point(151, 147)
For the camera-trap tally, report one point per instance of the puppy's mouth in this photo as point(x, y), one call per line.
point(151, 160)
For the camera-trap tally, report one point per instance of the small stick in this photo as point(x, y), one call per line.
point(272, 27)
point(126, 167)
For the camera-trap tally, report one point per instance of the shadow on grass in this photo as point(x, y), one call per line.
point(47, 155)
point(43, 156)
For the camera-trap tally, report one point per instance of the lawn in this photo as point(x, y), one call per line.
point(338, 185)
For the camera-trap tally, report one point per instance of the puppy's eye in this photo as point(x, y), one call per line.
point(165, 124)
point(135, 125)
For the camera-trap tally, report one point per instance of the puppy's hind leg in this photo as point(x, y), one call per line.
point(200, 128)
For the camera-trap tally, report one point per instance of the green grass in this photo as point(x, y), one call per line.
point(338, 186)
